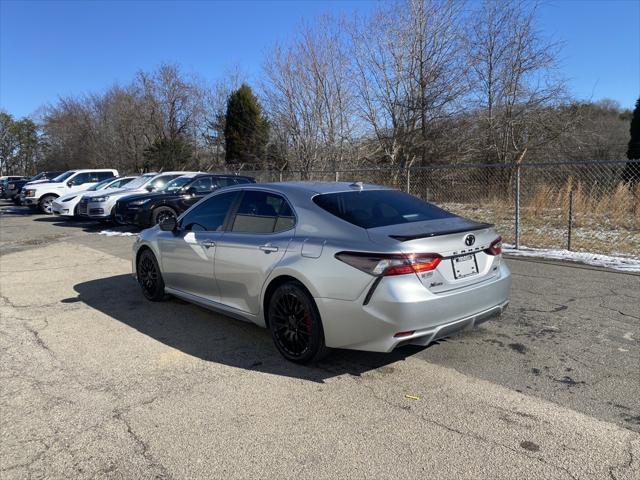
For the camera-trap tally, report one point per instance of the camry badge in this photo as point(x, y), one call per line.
point(469, 240)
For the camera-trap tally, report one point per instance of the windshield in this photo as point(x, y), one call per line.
point(101, 185)
point(175, 184)
point(64, 176)
point(379, 208)
point(38, 176)
point(140, 181)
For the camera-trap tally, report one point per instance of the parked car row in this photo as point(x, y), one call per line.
point(100, 194)
point(321, 265)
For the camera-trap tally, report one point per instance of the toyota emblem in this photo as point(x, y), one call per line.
point(469, 240)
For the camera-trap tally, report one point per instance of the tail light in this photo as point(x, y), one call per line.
point(496, 247)
point(385, 264)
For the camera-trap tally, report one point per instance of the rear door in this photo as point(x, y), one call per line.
point(187, 255)
point(255, 241)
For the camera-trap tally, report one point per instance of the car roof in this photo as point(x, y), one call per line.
point(314, 188)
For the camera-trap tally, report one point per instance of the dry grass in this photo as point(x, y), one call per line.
point(606, 220)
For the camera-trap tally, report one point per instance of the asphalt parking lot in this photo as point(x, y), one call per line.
point(99, 383)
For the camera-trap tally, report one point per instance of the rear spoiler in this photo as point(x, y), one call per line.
point(438, 233)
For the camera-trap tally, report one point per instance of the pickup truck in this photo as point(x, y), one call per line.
point(42, 195)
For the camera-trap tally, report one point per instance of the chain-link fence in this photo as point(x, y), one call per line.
point(582, 206)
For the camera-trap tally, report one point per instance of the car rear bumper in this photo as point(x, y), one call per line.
point(410, 310)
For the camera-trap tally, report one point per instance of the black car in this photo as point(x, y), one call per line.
point(4, 183)
point(147, 209)
point(13, 188)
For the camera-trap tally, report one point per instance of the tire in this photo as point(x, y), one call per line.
point(149, 276)
point(46, 204)
point(160, 213)
point(295, 324)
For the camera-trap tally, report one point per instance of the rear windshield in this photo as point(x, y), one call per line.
point(379, 208)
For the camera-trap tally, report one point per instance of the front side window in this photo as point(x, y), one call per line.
point(209, 215)
point(82, 178)
point(201, 185)
point(379, 208)
point(262, 212)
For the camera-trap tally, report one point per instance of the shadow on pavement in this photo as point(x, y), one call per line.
point(215, 338)
point(89, 226)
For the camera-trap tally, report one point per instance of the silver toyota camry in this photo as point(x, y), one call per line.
point(328, 265)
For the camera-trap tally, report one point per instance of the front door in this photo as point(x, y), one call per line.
point(187, 255)
point(256, 240)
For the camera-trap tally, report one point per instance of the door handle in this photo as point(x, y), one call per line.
point(268, 248)
point(208, 244)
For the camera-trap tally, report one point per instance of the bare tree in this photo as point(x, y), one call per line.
point(308, 99)
point(514, 80)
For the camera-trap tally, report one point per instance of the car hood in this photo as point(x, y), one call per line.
point(148, 195)
point(42, 180)
point(46, 184)
point(69, 196)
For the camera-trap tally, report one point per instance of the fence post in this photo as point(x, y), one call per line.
point(337, 176)
point(517, 202)
point(280, 175)
point(408, 179)
point(570, 225)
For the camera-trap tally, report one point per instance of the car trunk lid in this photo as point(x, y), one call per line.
point(461, 243)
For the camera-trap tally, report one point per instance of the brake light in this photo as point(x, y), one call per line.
point(496, 247)
point(388, 264)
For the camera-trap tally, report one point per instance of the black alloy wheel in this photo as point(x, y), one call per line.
point(162, 213)
point(295, 324)
point(149, 276)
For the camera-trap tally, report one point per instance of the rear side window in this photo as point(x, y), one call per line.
point(210, 214)
point(379, 208)
point(202, 185)
point(262, 212)
point(103, 176)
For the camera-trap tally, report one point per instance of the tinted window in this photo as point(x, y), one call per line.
point(103, 175)
point(82, 178)
point(161, 181)
point(262, 212)
point(210, 214)
point(242, 180)
point(202, 185)
point(378, 208)
point(224, 181)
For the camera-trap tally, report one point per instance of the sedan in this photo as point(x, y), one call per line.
point(328, 265)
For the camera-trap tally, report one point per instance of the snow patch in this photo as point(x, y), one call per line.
point(114, 233)
point(626, 264)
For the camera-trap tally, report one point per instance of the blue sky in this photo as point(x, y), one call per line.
point(48, 48)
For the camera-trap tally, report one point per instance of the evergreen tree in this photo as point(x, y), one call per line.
point(631, 171)
point(246, 129)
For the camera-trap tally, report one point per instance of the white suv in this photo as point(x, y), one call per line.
point(100, 205)
point(42, 195)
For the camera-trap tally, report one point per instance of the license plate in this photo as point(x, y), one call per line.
point(464, 266)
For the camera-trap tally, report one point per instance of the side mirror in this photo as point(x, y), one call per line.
point(70, 183)
point(149, 188)
point(168, 224)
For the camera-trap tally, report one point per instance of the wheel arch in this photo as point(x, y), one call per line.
point(271, 287)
